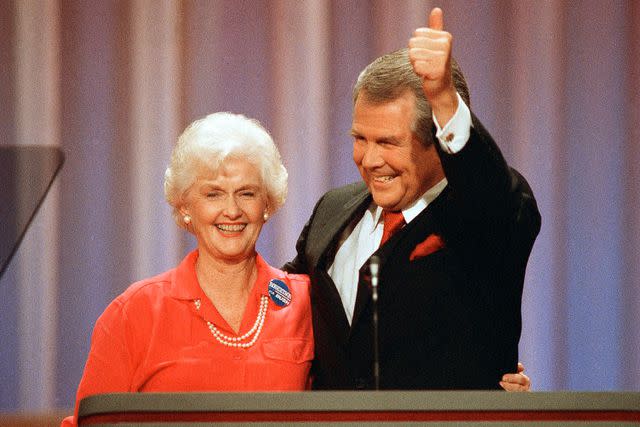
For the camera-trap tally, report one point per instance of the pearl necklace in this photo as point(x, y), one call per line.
point(236, 341)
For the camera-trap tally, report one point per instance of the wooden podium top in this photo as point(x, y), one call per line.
point(357, 407)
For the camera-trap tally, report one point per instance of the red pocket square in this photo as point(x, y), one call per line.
point(430, 245)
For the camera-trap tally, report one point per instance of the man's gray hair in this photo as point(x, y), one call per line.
point(391, 76)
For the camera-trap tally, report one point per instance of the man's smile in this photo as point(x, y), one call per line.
point(384, 179)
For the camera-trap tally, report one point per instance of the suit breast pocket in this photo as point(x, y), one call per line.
point(427, 279)
point(436, 261)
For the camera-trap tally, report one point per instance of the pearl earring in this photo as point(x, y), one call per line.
point(187, 219)
point(265, 216)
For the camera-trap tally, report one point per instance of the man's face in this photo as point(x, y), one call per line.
point(396, 167)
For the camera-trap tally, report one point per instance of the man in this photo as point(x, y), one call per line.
point(452, 277)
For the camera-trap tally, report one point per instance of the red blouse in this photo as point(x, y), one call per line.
point(153, 338)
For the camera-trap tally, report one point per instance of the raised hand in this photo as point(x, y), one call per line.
point(430, 55)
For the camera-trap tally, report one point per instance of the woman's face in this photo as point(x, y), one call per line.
point(227, 210)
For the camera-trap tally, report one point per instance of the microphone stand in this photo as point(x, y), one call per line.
point(374, 269)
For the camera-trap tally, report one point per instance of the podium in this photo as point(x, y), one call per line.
point(362, 407)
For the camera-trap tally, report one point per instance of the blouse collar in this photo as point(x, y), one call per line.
point(184, 281)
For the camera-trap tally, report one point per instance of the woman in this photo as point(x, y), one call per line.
point(223, 319)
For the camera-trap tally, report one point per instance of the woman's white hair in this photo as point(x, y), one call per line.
point(207, 142)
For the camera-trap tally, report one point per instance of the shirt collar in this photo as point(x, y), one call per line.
point(413, 210)
point(184, 281)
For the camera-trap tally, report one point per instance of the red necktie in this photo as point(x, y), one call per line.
point(393, 221)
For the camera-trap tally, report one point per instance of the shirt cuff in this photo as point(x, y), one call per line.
point(455, 134)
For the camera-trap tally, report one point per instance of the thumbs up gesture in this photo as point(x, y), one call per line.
point(430, 55)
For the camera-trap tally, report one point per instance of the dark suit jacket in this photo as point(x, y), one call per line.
point(450, 320)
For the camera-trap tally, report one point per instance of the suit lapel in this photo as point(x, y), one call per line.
point(329, 231)
point(326, 237)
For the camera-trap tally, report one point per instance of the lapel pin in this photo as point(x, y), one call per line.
point(279, 293)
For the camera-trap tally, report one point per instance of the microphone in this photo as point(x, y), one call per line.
point(374, 269)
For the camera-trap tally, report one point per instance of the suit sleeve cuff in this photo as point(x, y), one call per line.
point(455, 134)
